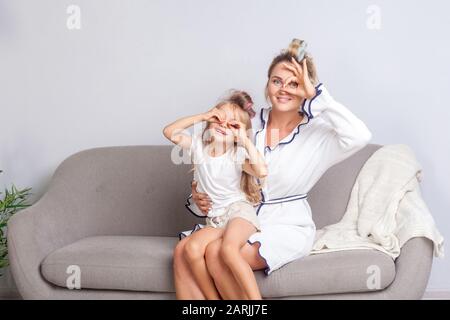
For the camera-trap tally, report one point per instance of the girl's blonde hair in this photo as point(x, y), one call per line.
point(241, 102)
point(286, 55)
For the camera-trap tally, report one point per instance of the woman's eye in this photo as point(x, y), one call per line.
point(276, 82)
point(293, 85)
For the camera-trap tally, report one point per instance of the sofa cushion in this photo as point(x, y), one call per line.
point(344, 271)
point(140, 263)
point(135, 263)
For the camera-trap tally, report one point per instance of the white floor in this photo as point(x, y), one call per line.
point(436, 295)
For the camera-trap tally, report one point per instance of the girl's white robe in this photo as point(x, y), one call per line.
point(328, 134)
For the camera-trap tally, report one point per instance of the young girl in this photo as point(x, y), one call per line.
point(226, 164)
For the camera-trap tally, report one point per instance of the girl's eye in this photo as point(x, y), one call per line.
point(276, 82)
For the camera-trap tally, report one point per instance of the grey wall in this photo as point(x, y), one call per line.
point(134, 66)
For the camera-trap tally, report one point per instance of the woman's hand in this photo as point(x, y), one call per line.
point(202, 200)
point(213, 115)
point(304, 87)
point(238, 129)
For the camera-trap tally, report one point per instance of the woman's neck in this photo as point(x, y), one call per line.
point(284, 119)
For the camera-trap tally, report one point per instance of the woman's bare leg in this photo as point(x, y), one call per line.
point(237, 232)
point(186, 287)
point(195, 255)
point(224, 280)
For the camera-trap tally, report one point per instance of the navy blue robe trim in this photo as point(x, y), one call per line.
point(188, 203)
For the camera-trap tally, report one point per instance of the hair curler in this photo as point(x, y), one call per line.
point(302, 50)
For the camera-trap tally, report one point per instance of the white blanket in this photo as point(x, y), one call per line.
point(385, 209)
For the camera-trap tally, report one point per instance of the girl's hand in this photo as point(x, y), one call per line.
point(238, 129)
point(202, 200)
point(299, 84)
point(213, 115)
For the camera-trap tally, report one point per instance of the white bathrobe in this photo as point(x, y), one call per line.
point(328, 134)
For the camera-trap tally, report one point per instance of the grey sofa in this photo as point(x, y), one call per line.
point(115, 212)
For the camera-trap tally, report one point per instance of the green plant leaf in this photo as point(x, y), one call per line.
point(13, 201)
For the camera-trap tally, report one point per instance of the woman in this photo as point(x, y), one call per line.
point(302, 134)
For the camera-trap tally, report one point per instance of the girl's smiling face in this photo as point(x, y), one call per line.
point(278, 93)
point(219, 129)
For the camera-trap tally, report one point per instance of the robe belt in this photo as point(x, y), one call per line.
point(285, 199)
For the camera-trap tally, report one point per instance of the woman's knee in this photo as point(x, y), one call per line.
point(178, 256)
point(193, 251)
point(179, 249)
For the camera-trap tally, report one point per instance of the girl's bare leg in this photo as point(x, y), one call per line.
point(186, 287)
point(194, 253)
point(224, 280)
point(237, 232)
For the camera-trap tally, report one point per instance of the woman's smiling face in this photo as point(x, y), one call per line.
point(281, 96)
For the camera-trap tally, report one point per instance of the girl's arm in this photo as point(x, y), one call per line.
point(174, 131)
point(255, 164)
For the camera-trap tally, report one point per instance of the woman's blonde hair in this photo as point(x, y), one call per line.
point(286, 55)
point(240, 102)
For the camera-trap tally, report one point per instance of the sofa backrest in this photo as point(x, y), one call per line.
point(138, 190)
point(329, 196)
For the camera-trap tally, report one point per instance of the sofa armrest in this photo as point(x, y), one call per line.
point(413, 267)
point(32, 234)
